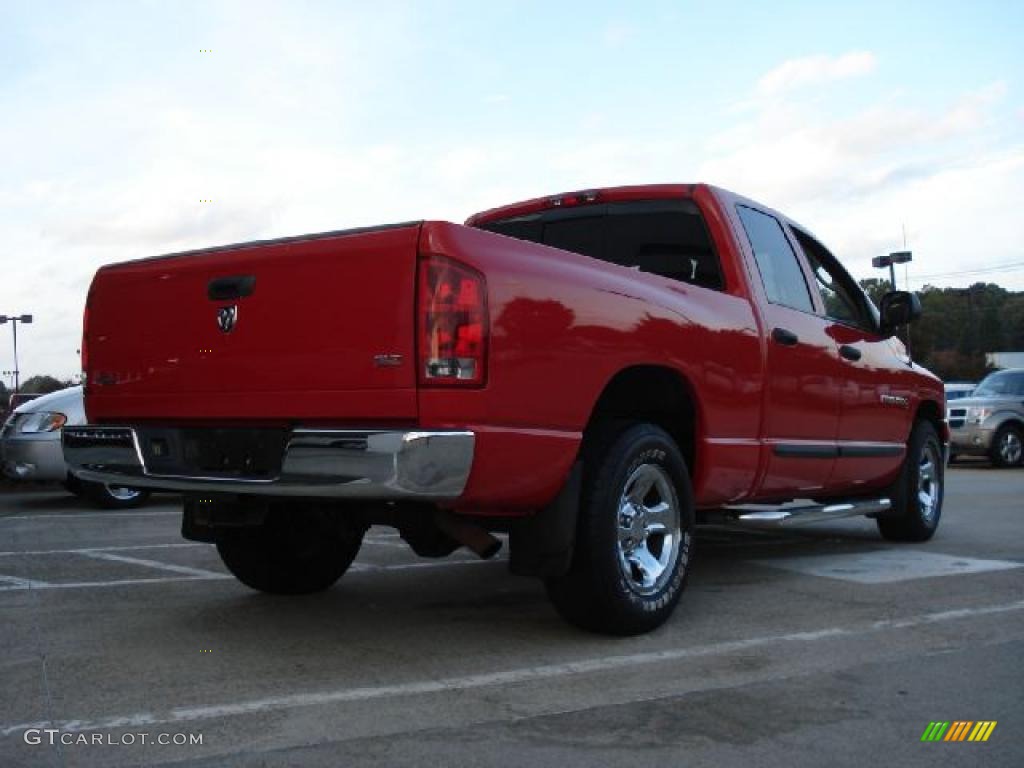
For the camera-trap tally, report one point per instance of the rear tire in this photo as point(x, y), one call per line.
point(634, 537)
point(918, 493)
point(302, 547)
point(1007, 447)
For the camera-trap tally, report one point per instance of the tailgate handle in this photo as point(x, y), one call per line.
point(234, 287)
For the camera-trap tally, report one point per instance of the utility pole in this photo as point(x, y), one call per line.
point(14, 320)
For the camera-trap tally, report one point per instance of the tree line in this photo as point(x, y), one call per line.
point(41, 385)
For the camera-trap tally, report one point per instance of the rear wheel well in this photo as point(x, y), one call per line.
point(653, 394)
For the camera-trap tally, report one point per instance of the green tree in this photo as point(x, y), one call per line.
point(44, 384)
point(990, 330)
point(1012, 316)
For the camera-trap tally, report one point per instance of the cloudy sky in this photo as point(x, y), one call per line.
point(117, 119)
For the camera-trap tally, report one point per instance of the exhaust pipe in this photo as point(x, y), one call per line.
point(470, 535)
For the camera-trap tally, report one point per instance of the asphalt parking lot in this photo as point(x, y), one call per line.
point(827, 645)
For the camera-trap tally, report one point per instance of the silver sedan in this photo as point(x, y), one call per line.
point(30, 448)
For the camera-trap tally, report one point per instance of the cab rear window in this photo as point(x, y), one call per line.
point(663, 237)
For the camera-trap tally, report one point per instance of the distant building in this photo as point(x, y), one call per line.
point(1004, 359)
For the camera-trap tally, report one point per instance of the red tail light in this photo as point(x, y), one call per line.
point(452, 320)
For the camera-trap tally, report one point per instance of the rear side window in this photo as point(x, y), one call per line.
point(781, 275)
point(664, 237)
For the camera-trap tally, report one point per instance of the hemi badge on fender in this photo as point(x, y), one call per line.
point(902, 402)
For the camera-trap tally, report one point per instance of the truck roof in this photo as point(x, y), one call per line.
point(620, 194)
point(583, 197)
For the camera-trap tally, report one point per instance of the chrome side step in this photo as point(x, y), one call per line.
point(788, 517)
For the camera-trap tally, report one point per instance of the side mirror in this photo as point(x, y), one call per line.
point(898, 308)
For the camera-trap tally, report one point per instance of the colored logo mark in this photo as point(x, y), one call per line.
point(959, 730)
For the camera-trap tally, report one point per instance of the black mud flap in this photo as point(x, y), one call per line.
point(542, 545)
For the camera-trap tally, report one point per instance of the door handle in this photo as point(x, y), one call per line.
point(850, 353)
point(784, 337)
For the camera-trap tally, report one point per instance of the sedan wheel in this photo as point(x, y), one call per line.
point(113, 496)
point(1008, 447)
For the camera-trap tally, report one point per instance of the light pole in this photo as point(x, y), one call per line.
point(14, 320)
point(897, 257)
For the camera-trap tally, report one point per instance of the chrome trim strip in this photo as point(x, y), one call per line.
point(333, 463)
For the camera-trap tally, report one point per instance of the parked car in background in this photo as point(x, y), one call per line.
point(30, 448)
point(991, 421)
point(957, 390)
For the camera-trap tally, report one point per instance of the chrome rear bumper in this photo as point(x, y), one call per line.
point(331, 463)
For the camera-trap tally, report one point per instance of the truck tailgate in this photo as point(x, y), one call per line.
point(323, 330)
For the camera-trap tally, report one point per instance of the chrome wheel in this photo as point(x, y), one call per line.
point(1010, 447)
point(649, 532)
point(929, 482)
point(121, 493)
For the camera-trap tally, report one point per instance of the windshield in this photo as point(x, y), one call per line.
point(1001, 383)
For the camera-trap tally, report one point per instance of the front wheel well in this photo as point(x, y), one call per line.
point(930, 411)
point(654, 394)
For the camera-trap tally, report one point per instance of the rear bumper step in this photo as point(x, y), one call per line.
point(788, 517)
point(328, 463)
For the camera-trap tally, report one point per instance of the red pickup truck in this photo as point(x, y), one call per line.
point(591, 373)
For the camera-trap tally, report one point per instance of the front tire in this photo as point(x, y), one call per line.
point(301, 548)
point(918, 493)
point(1007, 447)
point(634, 536)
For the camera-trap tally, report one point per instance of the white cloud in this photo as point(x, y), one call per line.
point(815, 70)
point(857, 176)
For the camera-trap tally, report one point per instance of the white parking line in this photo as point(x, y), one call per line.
point(133, 547)
point(429, 564)
point(15, 553)
point(152, 564)
point(117, 583)
point(17, 583)
point(213, 576)
point(89, 515)
point(506, 677)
